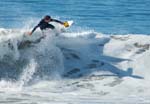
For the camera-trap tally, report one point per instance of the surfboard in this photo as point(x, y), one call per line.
point(70, 23)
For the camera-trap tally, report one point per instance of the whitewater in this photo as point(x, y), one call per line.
point(103, 58)
point(73, 67)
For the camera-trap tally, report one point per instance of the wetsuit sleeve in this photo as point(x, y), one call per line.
point(37, 26)
point(57, 21)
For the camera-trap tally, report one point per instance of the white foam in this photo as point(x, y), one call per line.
point(28, 72)
point(82, 48)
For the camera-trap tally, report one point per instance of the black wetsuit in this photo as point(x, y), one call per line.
point(44, 25)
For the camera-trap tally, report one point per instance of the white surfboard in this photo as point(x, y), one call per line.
point(70, 23)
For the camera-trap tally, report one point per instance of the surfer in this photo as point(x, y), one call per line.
point(44, 24)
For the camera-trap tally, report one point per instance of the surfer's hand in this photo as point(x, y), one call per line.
point(66, 24)
point(29, 33)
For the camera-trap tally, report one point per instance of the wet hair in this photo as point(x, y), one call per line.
point(47, 17)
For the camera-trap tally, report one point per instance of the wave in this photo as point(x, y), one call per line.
point(21, 58)
point(25, 59)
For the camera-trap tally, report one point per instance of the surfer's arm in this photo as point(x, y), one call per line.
point(30, 33)
point(58, 21)
point(34, 28)
point(63, 23)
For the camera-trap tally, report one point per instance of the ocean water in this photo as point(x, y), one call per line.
point(100, 59)
point(105, 16)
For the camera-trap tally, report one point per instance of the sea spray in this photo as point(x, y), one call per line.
point(27, 73)
point(44, 60)
point(9, 40)
point(50, 57)
point(15, 52)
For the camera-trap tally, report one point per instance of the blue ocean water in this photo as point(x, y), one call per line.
point(105, 16)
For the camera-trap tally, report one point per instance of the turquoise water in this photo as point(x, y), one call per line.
point(105, 16)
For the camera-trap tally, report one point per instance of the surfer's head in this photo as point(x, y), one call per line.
point(47, 18)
